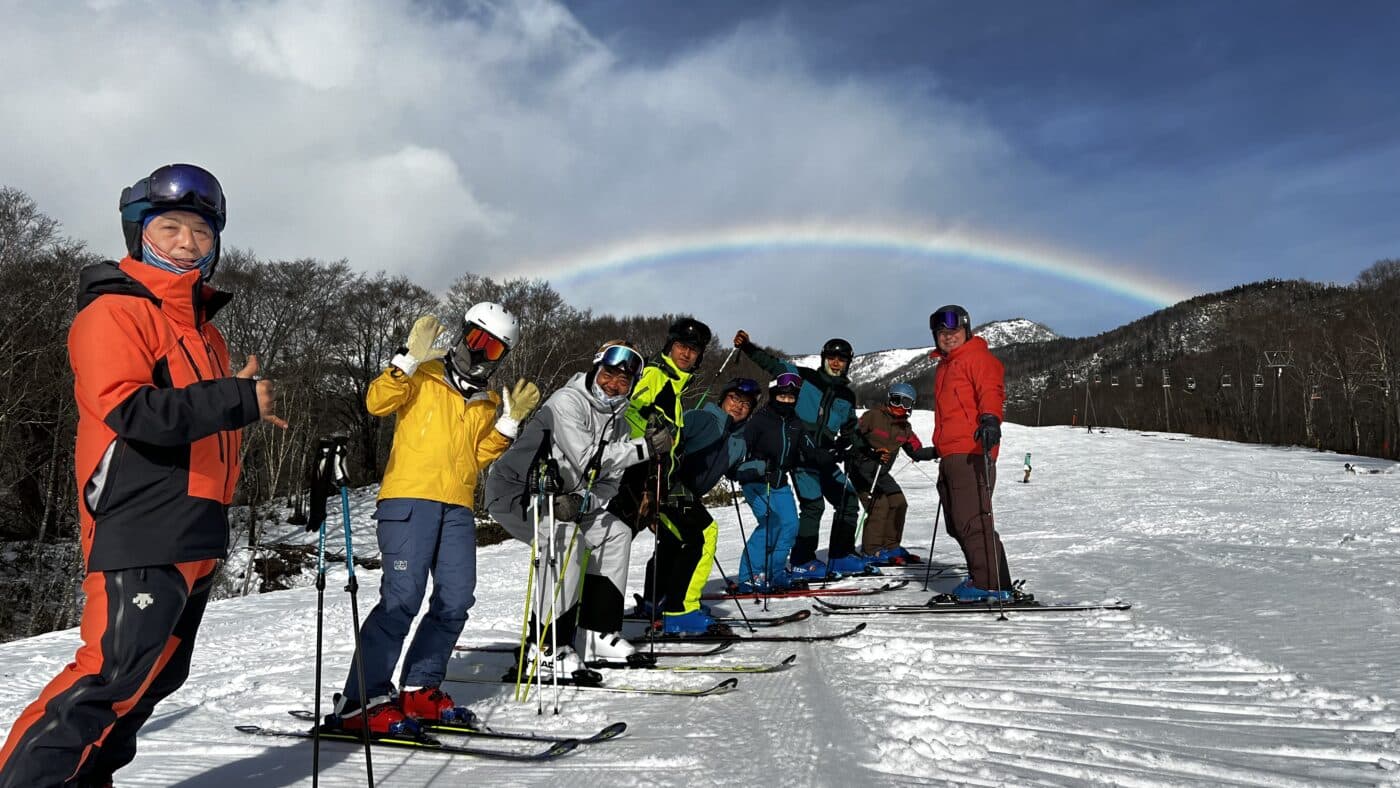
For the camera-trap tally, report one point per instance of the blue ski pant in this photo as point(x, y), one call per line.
point(418, 539)
point(775, 513)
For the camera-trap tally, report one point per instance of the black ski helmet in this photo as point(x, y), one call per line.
point(173, 186)
point(691, 332)
point(950, 316)
point(838, 347)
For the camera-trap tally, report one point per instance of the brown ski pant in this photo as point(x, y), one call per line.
point(884, 524)
point(967, 511)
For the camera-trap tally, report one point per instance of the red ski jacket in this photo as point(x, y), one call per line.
point(966, 383)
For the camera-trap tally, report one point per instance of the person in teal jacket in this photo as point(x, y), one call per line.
point(826, 406)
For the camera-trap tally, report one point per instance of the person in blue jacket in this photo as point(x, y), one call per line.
point(774, 439)
point(826, 406)
point(712, 444)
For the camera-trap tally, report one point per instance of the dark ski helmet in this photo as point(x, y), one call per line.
point(950, 316)
point(689, 331)
point(839, 348)
point(170, 187)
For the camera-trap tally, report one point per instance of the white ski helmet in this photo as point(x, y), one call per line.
point(496, 319)
point(489, 331)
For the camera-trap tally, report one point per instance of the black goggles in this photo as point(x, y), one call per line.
point(902, 401)
point(180, 185)
point(944, 319)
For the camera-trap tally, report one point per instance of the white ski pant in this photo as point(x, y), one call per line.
point(601, 546)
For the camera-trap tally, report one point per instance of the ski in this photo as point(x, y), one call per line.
point(801, 593)
point(773, 667)
point(718, 648)
point(768, 638)
point(481, 731)
point(425, 743)
point(931, 608)
point(757, 621)
point(722, 687)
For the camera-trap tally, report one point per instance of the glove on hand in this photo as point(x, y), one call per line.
point(567, 508)
point(988, 432)
point(741, 338)
point(426, 331)
point(883, 455)
point(924, 454)
point(519, 403)
point(659, 440)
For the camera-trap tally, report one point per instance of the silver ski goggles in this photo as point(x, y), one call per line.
point(620, 359)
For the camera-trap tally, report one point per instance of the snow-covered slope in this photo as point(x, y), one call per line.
point(1263, 649)
point(1011, 332)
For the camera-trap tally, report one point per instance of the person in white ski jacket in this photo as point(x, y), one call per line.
point(574, 452)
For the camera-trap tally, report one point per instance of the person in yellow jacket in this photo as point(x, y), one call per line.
point(449, 428)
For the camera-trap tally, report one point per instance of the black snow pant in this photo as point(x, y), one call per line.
point(138, 629)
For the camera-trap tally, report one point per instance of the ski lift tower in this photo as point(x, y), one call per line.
point(1277, 360)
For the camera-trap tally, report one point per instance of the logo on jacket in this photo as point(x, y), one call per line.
point(143, 600)
point(401, 565)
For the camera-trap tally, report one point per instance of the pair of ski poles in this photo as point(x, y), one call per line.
point(330, 471)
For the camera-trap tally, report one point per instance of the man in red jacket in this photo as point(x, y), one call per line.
point(157, 460)
point(968, 395)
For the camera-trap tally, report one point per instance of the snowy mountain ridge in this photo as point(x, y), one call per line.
point(889, 366)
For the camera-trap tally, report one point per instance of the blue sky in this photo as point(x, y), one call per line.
point(1205, 144)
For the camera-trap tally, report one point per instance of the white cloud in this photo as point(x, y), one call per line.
point(407, 139)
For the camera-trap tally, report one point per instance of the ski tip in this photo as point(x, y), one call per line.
point(611, 732)
point(791, 658)
point(561, 748)
point(726, 685)
point(802, 615)
point(859, 627)
point(303, 714)
point(248, 728)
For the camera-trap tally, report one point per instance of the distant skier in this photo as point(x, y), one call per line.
point(774, 442)
point(575, 451)
point(880, 433)
point(827, 407)
point(968, 397)
point(448, 427)
point(712, 444)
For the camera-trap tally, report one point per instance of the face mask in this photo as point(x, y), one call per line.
point(609, 401)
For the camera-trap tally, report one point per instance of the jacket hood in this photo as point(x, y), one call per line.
point(184, 296)
point(578, 386)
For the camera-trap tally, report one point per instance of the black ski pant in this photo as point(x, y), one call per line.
point(138, 630)
point(813, 486)
point(685, 553)
point(967, 511)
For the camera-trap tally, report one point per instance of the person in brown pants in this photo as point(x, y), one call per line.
point(968, 395)
point(879, 434)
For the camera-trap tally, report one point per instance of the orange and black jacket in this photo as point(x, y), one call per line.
point(159, 416)
point(967, 383)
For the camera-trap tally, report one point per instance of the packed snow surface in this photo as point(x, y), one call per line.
point(1263, 648)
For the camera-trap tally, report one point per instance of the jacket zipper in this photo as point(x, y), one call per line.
point(218, 436)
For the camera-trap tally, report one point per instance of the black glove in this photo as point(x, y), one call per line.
point(924, 454)
point(988, 431)
point(822, 459)
point(659, 440)
point(567, 508)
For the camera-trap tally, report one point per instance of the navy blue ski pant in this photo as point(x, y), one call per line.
point(418, 539)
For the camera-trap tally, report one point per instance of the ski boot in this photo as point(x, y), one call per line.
point(603, 646)
point(382, 716)
point(431, 704)
point(812, 570)
point(695, 622)
point(853, 564)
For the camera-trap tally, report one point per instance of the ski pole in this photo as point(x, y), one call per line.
point(715, 379)
point(734, 499)
point(769, 538)
point(865, 511)
point(321, 469)
point(742, 613)
point(928, 564)
point(342, 480)
point(989, 530)
point(554, 609)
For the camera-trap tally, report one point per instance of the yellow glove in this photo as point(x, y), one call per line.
point(426, 331)
point(518, 403)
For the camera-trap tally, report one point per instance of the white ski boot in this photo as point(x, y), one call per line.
point(603, 646)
